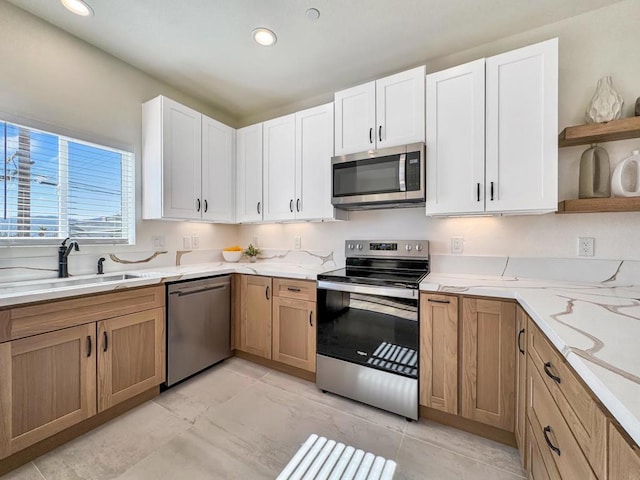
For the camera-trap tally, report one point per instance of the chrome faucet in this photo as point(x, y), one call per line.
point(63, 252)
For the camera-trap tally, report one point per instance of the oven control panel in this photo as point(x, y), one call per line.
point(387, 248)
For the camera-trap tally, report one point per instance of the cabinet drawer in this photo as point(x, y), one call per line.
point(540, 464)
point(624, 457)
point(55, 315)
point(580, 411)
point(547, 423)
point(298, 289)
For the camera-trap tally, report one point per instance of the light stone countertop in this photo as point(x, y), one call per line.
point(596, 327)
point(148, 277)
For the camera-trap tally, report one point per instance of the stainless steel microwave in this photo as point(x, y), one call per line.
point(391, 177)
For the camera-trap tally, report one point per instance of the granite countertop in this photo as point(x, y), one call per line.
point(596, 327)
point(148, 277)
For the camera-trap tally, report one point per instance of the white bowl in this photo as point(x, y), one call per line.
point(231, 256)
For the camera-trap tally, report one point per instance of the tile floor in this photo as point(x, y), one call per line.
point(239, 420)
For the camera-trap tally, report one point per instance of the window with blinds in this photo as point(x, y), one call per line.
point(53, 187)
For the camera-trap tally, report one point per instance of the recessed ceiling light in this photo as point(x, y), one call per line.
point(264, 36)
point(79, 7)
point(313, 14)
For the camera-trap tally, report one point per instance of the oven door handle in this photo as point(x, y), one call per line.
point(369, 290)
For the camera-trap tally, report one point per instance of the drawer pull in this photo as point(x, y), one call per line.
point(545, 432)
point(519, 344)
point(293, 289)
point(433, 300)
point(555, 378)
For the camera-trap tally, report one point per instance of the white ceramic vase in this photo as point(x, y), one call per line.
point(606, 104)
point(620, 177)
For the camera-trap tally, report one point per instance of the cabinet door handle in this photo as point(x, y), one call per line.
point(293, 289)
point(492, 191)
point(371, 135)
point(547, 370)
point(478, 191)
point(106, 342)
point(266, 293)
point(311, 318)
point(198, 205)
point(380, 132)
point(291, 205)
point(519, 337)
point(433, 300)
point(258, 207)
point(298, 205)
point(206, 206)
point(545, 431)
point(89, 346)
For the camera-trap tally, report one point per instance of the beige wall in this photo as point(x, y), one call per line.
point(602, 42)
point(51, 77)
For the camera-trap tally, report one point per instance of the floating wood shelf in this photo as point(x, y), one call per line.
point(596, 205)
point(622, 129)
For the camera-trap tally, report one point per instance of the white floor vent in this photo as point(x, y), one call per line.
point(322, 459)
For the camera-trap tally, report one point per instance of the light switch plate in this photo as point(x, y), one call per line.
point(195, 242)
point(457, 244)
point(255, 241)
point(158, 241)
point(186, 243)
point(298, 242)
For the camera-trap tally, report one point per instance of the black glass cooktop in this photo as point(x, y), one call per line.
point(407, 274)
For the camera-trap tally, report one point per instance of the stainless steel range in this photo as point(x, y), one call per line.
point(368, 328)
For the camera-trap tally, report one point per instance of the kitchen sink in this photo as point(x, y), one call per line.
point(38, 285)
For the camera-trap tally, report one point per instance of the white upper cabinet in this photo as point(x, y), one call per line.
point(522, 129)
point(400, 108)
point(492, 134)
point(185, 172)
point(218, 154)
point(314, 149)
point(380, 114)
point(355, 119)
point(455, 140)
point(279, 176)
point(249, 205)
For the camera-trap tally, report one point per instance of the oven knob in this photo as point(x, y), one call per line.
point(350, 246)
point(419, 247)
point(408, 247)
point(359, 246)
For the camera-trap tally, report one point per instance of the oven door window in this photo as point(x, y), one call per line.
point(369, 176)
point(375, 331)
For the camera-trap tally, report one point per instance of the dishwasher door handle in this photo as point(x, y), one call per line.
point(182, 293)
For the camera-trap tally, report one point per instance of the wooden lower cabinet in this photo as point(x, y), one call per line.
point(255, 315)
point(624, 459)
point(539, 463)
point(521, 382)
point(130, 356)
point(439, 352)
point(48, 384)
point(488, 362)
point(294, 333)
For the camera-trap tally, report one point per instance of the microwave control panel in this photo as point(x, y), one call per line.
point(413, 171)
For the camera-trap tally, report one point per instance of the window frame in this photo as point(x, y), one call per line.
point(127, 187)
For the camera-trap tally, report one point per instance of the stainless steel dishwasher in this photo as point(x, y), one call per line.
point(198, 325)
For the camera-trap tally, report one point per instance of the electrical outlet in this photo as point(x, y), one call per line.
point(195, 242)
point(186, 243)
point(298, 243)
point(457, 244)
point(255, 241)
point(158, 241)
point(586, 246)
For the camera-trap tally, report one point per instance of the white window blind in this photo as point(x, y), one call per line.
point(53, 187)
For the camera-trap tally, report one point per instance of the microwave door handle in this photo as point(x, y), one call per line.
point(402, 172)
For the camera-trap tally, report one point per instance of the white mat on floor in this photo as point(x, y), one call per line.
point(322, 459)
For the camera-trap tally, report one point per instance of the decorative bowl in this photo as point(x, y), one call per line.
point(231, 256)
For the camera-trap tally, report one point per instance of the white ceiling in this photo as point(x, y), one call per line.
point(205, 49)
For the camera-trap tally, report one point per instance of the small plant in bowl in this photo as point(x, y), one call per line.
point(232, 254)
point(252, 252)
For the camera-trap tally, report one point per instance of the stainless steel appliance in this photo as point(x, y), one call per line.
point(368, 324)
point(198, 325)
point(386, 178)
